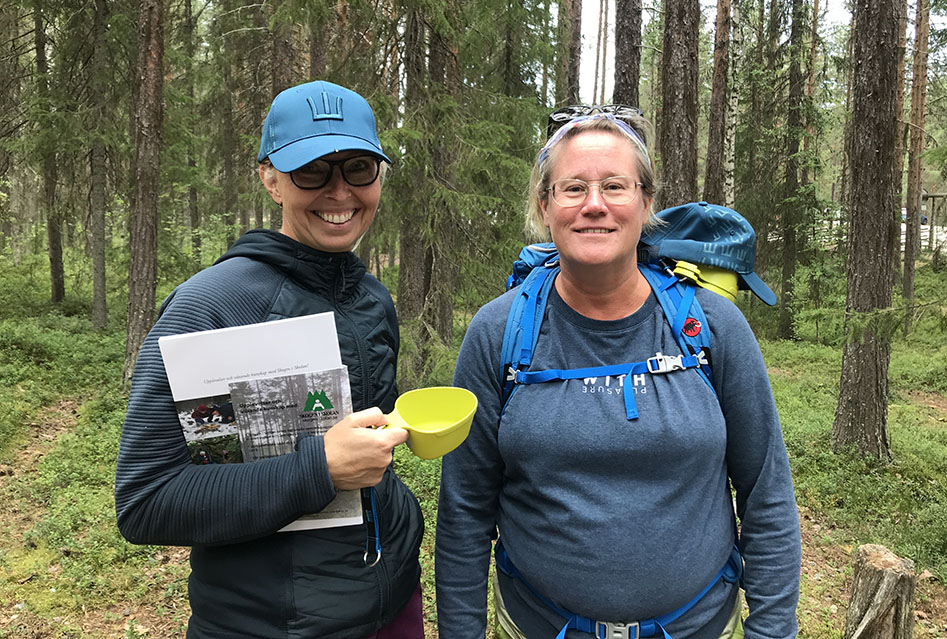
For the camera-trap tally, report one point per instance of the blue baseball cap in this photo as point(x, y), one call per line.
point(709, 234)
point(311, 120)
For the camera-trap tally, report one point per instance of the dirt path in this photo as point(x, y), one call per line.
point(122, 619)
point(828, 556)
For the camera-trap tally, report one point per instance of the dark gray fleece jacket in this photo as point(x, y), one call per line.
point(245, 580)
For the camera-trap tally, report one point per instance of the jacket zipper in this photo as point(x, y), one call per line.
point(382, 577)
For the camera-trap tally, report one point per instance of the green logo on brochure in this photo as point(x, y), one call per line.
point(318, 401)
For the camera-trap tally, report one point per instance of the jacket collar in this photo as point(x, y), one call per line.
point(331, 275)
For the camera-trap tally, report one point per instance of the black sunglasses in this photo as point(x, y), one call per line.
point(360, 170)
point(560, 116)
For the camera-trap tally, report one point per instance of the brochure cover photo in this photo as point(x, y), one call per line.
point(274, 412)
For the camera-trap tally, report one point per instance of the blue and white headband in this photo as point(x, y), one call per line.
point(625, 128)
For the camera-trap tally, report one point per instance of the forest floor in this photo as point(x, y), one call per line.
point(828, 557)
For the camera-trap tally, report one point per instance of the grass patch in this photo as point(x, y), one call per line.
point(423, 477)
point(61, 412)
point(902, 504)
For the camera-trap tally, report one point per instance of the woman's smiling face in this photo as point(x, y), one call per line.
point(331, 218)
point(596, 232)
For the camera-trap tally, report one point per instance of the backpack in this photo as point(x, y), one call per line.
point(698, 232)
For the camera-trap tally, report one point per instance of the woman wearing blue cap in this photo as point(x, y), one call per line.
point(606, 474)
point(321, 161)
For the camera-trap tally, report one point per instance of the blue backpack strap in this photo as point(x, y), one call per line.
point(654, 365)
point(531, 257)
point(683, 313)
point(534, 272)
point(522, 326)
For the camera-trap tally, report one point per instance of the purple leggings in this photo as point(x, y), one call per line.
point(408, 625)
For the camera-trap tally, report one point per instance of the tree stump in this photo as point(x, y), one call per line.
point(882, 604)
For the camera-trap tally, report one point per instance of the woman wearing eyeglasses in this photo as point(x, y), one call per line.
point(321, 161)
point(612, 526)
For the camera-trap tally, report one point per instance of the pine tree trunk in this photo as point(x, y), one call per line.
point(598, 50)
point(900, 140)
point(258, 102)
point(544, 85)
point(627, 51)
point(318, 36)
point(679, 102)
point(281, 65)
point(882, 601)
point(228, 132)
point(511, 74)
point(845, 188)
point(57, 274)
point(561, 68)
point(657, 62)
point(283, 57)
point(193, 213)
point(862, 412)
point(8, 98)
point(912, 235)
point(793, 202)
point(733, 104)
point(97, 181)
point(754, 118)
point(601, 83)
point(391, 76)
point(575, 49)
point(717, 125)
point(342, 35)
point(810, 84)
point(568, 51)
point(413, 264)
point(143, 236)
point(444, 220)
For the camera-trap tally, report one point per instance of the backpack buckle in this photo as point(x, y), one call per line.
point(665, 363)
point(511, 374)
point(610, 630)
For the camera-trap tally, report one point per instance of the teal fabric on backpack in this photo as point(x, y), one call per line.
point(535, 271)
point(708, 234)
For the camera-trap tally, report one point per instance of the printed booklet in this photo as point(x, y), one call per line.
point(249, 392)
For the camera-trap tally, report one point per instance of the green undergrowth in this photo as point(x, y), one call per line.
point(900, 503)
point(423, 476)
point(61, 402)
point(75, 527)
point(47, 353)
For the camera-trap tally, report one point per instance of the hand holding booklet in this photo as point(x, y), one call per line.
point(249, 392)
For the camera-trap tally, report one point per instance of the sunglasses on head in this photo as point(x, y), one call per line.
point(561, 116)
point(360, 170)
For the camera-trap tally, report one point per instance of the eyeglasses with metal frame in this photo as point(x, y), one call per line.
point(617, 190)
point(359, 170)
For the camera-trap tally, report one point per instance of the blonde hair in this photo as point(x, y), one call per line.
point(542, 169)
